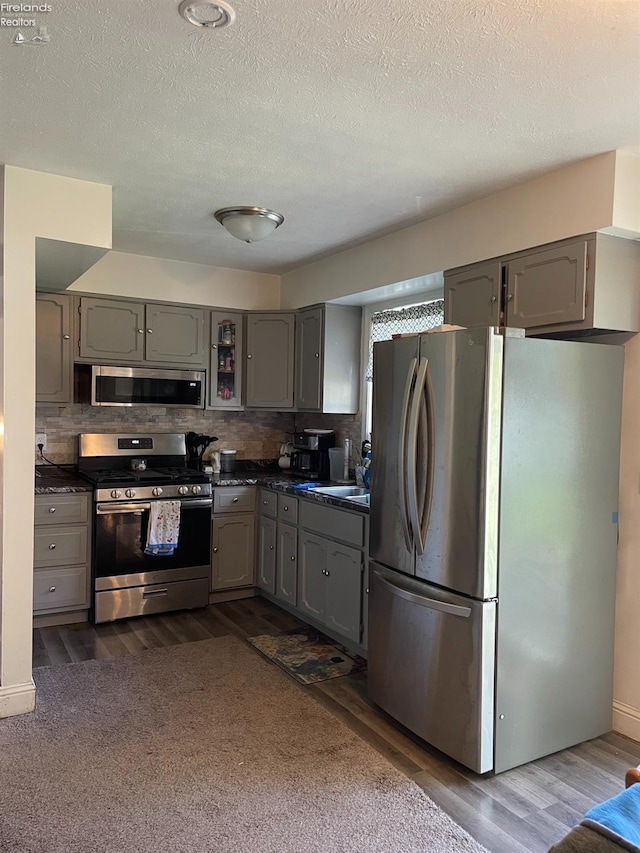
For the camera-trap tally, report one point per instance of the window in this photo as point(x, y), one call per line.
point(394, 321)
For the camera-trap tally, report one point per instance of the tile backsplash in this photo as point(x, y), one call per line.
point(253, 433)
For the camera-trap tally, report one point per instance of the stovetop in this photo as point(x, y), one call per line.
point(157, 476)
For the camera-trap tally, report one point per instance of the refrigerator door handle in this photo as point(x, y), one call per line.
point(431, 603)
point(425, 449)
point(412, 453)
point(402, 455)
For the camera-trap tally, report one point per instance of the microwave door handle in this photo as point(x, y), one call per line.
point(412, 453)
point(402, 454)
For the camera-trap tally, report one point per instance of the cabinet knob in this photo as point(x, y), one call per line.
point(52, 547)
point(149, 331)
point(215, 550)
point(366, 591)
point(265, 502)
point(324, 571)
point(66, 337)
point(328, 572)
point(235, 500)
point(52, 589)
point(317, 355)
point(285, 508)
point(509, 297)
point(52, 509)
point(249, 355)
point(214, 346)
point(292, 558)
point(141, 331)
point(271, 547)
point(493, 299)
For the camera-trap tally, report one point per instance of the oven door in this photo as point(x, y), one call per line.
point(121, 536)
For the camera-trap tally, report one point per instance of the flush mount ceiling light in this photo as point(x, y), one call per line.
point(201, 13)
point(249, 223)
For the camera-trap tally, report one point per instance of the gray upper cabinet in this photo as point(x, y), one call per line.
point(565, 289)
point(113, 330)
point(309, 360)
point(269, 362)
point(472, 297)
point(226, 361)
point(174, 334)
point(328, 348)
point(547, 288)
point(54, 364)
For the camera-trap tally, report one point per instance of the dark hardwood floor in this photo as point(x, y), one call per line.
point(526, 809)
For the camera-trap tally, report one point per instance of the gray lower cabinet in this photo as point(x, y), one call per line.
point(62, 554)
point(54, 362)
point(267, 532)
point(233, 551)
point(330, 581)
point(114, 330)
point(269, 361)
point(287, 563)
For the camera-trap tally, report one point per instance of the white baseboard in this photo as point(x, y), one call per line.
point(17, 699)
point(626, 720)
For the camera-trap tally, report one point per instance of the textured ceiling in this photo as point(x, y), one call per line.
point(350, 117)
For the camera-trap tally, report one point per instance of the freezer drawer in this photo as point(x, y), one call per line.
point(432, 664)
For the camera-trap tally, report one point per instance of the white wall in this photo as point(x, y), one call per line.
point(574, 200)
point(35, 205)
point(626, 204)
point(122, 274)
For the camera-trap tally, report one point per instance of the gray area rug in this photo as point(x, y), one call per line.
point(200, 747)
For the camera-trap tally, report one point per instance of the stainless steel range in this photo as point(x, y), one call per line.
point(130, 473)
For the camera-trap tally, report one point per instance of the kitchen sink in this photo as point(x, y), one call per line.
point(359, 499)
point(341, 491)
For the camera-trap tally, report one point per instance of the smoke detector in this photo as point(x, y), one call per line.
point(201, 13)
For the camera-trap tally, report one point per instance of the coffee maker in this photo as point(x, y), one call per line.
point(310, 457)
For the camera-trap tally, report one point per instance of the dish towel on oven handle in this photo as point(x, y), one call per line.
point(164, 528)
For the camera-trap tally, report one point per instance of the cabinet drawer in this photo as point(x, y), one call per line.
point(234, 499)
point(55, 589)
point(63, 546)
point(61, 509)
point(288, 509)
point(268, 503)
point(335, 523)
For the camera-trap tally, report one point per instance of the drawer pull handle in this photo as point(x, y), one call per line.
point(52, 547)
point(52, 589)
point(52, 509)
point(235, 500)
point(154, 593)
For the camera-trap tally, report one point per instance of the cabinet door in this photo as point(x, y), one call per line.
point(269, 365)
point(309, 360)
point(225, 370)
point(344, 590)
point(312, 587)
point(545, 288)
point(472, 298)
point(232, 560)
point(112, 330)
point(54, 365)
point(267, 554)
point(174, 335)
point(364, 642)
point(287, 574)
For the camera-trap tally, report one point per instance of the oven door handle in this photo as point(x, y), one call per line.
point(121, 509)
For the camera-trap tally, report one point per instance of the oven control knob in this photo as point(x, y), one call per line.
point(157, 491)
point(116, 493)
point(130, 493)
point(196, 489)
point(182, 490)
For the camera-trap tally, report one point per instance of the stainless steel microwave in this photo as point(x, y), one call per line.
point(143, 386)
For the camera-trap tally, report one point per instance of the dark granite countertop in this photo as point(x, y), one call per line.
point(282, 481)
point(50, 480)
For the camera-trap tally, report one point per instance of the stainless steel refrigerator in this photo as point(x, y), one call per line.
point(493, 541)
